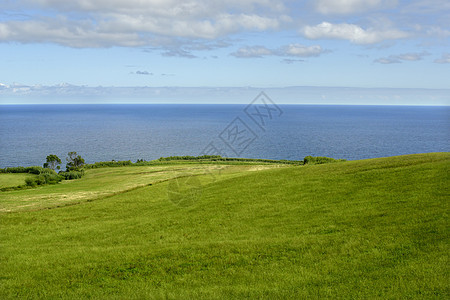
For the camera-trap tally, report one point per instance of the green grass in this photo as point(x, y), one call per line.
point(13, 179)
point(105, 182)
point(359, 229)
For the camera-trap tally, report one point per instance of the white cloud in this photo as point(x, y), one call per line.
point(169, 8)
point(143, 73)
point(438, 32)
point(412, 56)
point(351, 6)
point(253, 51)
point(352, 33)
point(4, 32)
point(301, 50)
point(292, 50)
point(66, 93)
point(425, 6)
point(178, 53)
point(290, 61)
point(105, 23)
point(181, 28)
point(392, 59)
point(76, 34)
point(401, 57)
point(387, 60)
point(210, 28)
point(445, 59)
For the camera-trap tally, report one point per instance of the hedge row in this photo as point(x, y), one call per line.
point(311, 160)
point(46, 178)
point(32, 170)
point(188, 157)
point(71, 174)
point(103, 164)
point(220, 158)
point(75, 174)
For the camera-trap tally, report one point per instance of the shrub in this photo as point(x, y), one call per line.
point(16, 170)
point(47, 171)
point(45, 178)
point(36, 170)
point(72, 174)
point(320, 160)
point(188, 157)
point(30, 182)
point(32, 170)
point(113, 163)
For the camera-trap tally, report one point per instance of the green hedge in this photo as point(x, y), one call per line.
point(75, 174)
point(311, 160)
point(103, 164)
point(45, 175)
point(185, 158)
point(32, 170)
point(46, 178)
point(69, 175)
point(220, 158)
point(188, 157)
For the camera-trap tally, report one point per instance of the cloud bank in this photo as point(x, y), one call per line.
point(67, 93)
point(445, 59)
point(292, 50)
point(352, 33)
point(393, 59)
point(130, 23)
point(171, 23)
point(346, 7)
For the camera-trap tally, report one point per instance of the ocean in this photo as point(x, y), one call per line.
point(28, 133)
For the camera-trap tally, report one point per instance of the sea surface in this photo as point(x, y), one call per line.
point(28, 133)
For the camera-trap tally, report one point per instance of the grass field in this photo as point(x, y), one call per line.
point(13, 179)
point(105, 182)
point(360, 229)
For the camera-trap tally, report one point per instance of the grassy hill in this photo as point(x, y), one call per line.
point(374, 228)
point(12, 180)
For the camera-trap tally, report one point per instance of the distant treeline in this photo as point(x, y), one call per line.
point(32, 170)
point(311, 160)
point(43, 176)
point(50, 176)
point(103, 164)
point(317, 160)
point(220, 158)
point(211, 159)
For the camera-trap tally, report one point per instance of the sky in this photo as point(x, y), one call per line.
point(216, 51)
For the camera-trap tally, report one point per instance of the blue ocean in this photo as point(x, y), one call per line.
point(28, 133)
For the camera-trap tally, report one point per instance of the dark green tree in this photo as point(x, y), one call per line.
point(52, 162)
point(74, 161)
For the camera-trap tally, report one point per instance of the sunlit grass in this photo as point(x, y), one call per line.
point(13, 179)
point(103, 182)
point(361, 229)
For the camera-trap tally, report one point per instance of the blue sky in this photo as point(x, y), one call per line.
point(62, 51)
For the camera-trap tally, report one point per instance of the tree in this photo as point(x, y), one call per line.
point(74, 161)
point(53, 162)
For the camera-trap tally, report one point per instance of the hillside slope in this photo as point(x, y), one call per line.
point(370, 229)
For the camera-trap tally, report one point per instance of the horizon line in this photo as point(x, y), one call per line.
point(197, 103)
